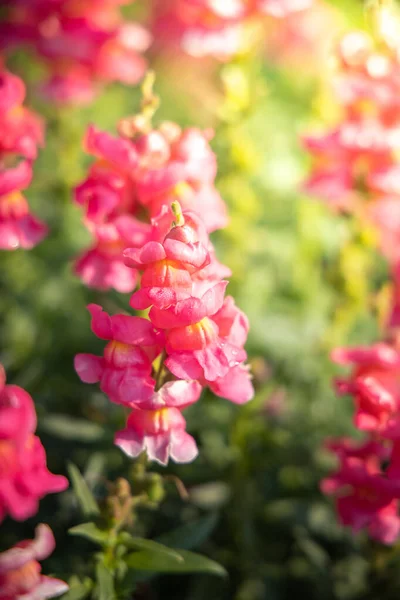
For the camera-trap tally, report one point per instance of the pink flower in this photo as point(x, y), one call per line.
point(160, 428)
point(365, 497)
point(195, 348)
point(168, 267)
point(375, 384)
point(24, 477)
point(20, 571)
point(18, 227)
point(125, 368)
point(21, 132)
point(80, 45)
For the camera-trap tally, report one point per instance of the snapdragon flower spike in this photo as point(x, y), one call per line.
point(21, 132)
point(82, 45)
point(365, 497)
point(24, 477)
point(124, 370)
point(158, 426)
point(20, 570)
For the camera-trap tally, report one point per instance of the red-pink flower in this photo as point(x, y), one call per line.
point(124, 371)
point(159, 427)
point(82, 45)
point(21, 132)
point(24, 477)
point(20, 571)
point(365, 497)
point(374, 383)
point(193, 344)
point(168, 266)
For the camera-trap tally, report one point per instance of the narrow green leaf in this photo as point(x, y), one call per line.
point(105, 583)
point(165, 563)
point(91, 532)
point(71, 428)
point(150, 546)
point(190, 535)
point(84, 496)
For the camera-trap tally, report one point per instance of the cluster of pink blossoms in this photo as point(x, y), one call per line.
point(355, 170)
point(132, 181)
point(194, 337)
point(20, 571)
point(214, 27)
point(24, 480)
point(21, 132)
point(355, 165)
point(81, 44)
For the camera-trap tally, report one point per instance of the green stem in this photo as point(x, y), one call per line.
point(159, 373)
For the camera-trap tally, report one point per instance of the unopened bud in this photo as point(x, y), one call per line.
point(177, 212)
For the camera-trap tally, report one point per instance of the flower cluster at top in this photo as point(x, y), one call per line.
point(215, 27)
point(194, 337)
point(20, 571)
point(136, 176)
point(21, 132)
point(81, 44)
point(356, 170)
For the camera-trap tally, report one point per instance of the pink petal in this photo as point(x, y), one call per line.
point(88, 367)
point(213, 299)
point(193, 254)
point(132, 330)
point(130, 442)
point(47, 588)
point(157, 447)
point(235, 386)
point(185, 312)
point(184, 365)
point(179, 393)
point(140, 300)
point(44, 542)
point(16, 178)
point(101, 322)
point(39, 548)
point(183, 447)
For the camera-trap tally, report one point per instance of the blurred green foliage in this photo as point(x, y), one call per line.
point(307, 280)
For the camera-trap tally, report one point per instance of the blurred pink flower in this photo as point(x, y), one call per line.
point(24, 477)
point(20, 571)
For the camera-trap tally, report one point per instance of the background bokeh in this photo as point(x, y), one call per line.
point(306, 278)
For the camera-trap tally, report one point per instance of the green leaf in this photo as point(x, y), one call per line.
point(190, 535)
point(84, 496)
point(78, 590)
point(71, 428)
point(91, 532)
point(164, 563)
point(105, 583)
point(147, 545)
